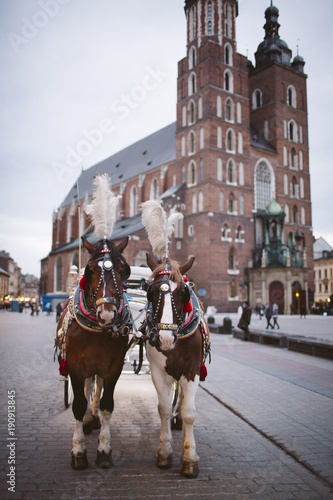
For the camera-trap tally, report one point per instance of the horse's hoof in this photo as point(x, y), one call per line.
point(79, 461)
point(176, 423)
point(190, 469)
point(104, 460)
point(95, 422)
point(164, 462)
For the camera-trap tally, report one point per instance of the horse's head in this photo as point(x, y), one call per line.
point(167, 294)
point(104, 274)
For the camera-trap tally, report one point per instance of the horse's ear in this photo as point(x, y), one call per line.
point(151, 263)
point(122, 245)
point(89, 246)
point(187, 266)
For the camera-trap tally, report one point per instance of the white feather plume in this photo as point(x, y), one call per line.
point(159, 228)
point(103, 208)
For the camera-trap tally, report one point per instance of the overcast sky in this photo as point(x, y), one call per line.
point(71, 66)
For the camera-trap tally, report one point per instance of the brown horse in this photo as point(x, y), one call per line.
point(178, 346)
point(95, 327)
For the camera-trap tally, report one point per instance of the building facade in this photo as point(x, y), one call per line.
point(235, 163)
point(323, 273)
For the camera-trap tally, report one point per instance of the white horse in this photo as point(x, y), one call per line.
point(178, 340)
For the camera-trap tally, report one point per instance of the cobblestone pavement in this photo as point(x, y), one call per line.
point(237, 427)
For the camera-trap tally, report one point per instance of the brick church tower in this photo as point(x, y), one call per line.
point(241, 142)
point(213, 150)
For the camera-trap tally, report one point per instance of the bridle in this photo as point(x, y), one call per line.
point(107, 267)
point(165, 289)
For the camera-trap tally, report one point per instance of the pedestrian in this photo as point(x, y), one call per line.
point(59, 311)
point(261, 311)
point(268, 314)
point(32, 307)
point(303, 311)
point(275, 315)
point(245, 319)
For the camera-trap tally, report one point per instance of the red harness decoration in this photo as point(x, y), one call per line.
point(83, 284)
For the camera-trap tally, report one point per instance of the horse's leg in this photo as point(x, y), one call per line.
point(190, 459)
point(104, 452)
point(79, 453)
point(91, 418)
point(162, 383)
point(87, 419)
point(96, 424)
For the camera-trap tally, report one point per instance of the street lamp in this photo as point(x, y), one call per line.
point(297, 298)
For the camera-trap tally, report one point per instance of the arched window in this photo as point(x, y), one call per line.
point(200, 108)
point(192, 84)
point(231, 172)
point(209, 28)
point(192, 57)
point(184, 116)
point(292, 131)
point(256, 99)
point(221, 201)
point(154, 190)
point(286, 211)
point(182, 145)
point(229, 110)
point(241, 204)
point(133, 201)
point(191, 143)
point(219, 169)
point(239, 232)
point(183, 174)
point(230, 141)
point(219, 137)
point(191, 112)
point(228, 54)
point(200, 201)
point(232, 289)
point(194, 203)
point(192, 25)
point(294, 187)
point(303, 216)
point(225, 232)
point(219, 106)
point(291, 97)
point(301, 187)
point(228, 21)
point(285, 183)
point(241, 174)
point(58, 280)
point(192, 174)
point(231, 203)
point(209, 9)
point(263, 185)
point(295, 214)
point(293, 158)
point(231, 259)
point(228, 81)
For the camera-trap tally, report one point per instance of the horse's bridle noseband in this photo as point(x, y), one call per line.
point(107, 266)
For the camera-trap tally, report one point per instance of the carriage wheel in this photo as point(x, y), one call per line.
point(175, 393)
point(68, 392)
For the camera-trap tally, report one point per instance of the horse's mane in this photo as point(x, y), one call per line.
point(175, 275)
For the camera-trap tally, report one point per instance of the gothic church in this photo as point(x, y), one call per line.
point(235, 163)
